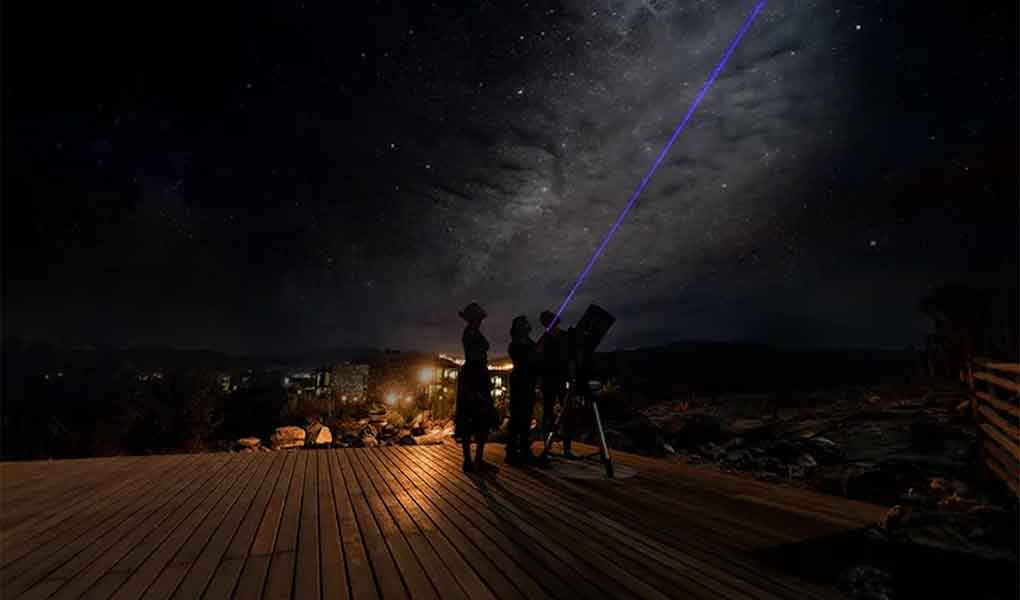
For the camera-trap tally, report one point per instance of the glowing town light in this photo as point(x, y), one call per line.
point(426, 374)
point(391, 398)
point(662, 155)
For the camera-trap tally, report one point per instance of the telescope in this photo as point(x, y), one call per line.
point(583, 338)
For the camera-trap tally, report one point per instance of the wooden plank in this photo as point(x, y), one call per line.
point(61, 490)
point(468, 579)
point(256, 567)
point(403, 535)
point(173, 574)
point(307, 573)
point(228, 572)
point(531, 577)
point(533, 540)
point(359, 569)
point(18, 577)
point(334, 572)
point(280, 581)
point(474, 548)
point(1008, 463)
point(63, 547)
point(202, 569)
point(110, 582)
point(1010, 430)
point(26, 505)
point(1001, 440)
point(617, 521)
point(719, 485)
point(387, 576)
point(23, 542)
point(623, 555)
point(142, 578)
point(1006, 407)
point(1006, 367)
point(997, 381)
point(677, 565)
point(89, 566)
point(1003, 475)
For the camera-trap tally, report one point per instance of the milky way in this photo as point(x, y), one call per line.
point(307, 176)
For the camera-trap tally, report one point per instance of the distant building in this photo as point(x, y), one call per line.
point(348, 382)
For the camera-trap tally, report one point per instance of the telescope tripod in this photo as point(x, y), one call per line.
point(571, 403)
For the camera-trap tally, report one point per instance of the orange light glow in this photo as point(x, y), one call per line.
point(426, 374)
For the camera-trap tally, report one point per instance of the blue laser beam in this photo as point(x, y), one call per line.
point(665, 149)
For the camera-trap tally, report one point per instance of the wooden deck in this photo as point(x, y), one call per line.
point(402, 522)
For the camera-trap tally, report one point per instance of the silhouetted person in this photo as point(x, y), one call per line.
point(555, 371)
point(524, 354)
point(475, 411)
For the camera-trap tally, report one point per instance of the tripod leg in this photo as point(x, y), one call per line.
point(607, 461)
point(555, 427)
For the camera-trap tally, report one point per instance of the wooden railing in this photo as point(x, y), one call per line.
point(995, 402)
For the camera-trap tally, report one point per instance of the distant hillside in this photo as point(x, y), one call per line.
point(744, 367)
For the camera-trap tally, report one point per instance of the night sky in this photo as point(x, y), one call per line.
point(273, 178)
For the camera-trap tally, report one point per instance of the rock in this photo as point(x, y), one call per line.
point(319, 435)
point(287, 437)
point(350, 441)
point(249, 442)
point(416, 431)
point(710, 450)
point(420, 420)
point(639, 434)
point(895, 517)
point(866, 583)
point(407, 440)
point(369, 441)
point(693, 430)
point(738, 456)
point(807, 461)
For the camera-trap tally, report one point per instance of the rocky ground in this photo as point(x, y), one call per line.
point(380, 428)
point(949, 524)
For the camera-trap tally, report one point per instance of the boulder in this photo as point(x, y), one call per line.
point(319, 435)
point(807, 461)
point(694, 430)
point(369, 441)
point(248, 442)
point(287, 437)
point(866, 583)
point(407, 440)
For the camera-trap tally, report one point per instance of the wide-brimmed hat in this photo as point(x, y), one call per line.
point(472, 312)
point(547, 317)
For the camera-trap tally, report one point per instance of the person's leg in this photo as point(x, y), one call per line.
point(483, 435)
point(511, 436)
point(466, 445)
point(548, 408)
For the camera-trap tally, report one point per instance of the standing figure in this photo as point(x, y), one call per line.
point(523, 378)
point(476, 414)
point(555, 351)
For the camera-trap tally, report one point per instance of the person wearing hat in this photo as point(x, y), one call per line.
point(476, 414)
point(523, 378)
point(555, 358)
